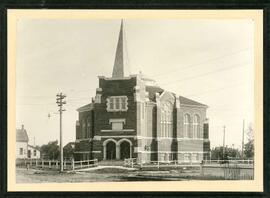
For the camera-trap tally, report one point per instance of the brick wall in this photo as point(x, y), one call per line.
point(115, 88)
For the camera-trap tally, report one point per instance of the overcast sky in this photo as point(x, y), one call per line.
point(210, 61)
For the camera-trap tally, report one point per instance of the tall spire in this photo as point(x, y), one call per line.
point(118, 68)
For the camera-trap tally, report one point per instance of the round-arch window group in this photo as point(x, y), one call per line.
point(192, 126)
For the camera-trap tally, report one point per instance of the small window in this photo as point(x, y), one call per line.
point(117, 103)
point(117, 125)
point(35, 152)
point(111, 103)
point(21, 151)
point(123, 103)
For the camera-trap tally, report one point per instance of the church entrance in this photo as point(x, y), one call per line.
point(124, 150)
point(110, 150)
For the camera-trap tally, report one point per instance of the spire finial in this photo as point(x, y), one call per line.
point(118, 68)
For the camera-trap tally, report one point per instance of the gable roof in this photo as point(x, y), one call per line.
point(21, 135)
point(87, 107)
point(187, 101)
point(34, 147)
point(152, 90)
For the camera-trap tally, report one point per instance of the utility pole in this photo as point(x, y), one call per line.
point(60, 102)
point(243, 134)
point(223, 150)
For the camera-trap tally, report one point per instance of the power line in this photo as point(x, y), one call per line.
point(205, 74)
point(206, 61)
point(215, 90)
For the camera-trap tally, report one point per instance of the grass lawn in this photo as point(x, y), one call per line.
point(108, 174)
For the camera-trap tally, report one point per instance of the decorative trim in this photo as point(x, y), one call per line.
point(179, 152)
point(117, 120)
point(164, 138)
point(98, 98)
point(99, 89)
point(83, 139)
point(118, 136)
point(97, 137)
point(96, 151)
point(141, 137)
point(123, 130)
point(81, 151)
point(186, 138)
point(188, 105)
point(111, 78)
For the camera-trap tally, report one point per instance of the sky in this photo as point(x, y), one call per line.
point(210, 61)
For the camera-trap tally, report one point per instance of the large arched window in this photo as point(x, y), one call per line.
point(196, 126)
point(187, 121)
point(166, 120)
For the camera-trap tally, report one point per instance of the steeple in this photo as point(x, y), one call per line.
point(118, 68)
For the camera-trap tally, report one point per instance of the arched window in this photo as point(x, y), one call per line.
point(196, 126)
point(166, 119)
point(186, 125)
point(88, 127)
point(83, 127)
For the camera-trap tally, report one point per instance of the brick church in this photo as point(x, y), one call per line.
point(132, 117)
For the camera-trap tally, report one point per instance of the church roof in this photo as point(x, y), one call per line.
point(152, 90)
point(118, 68)
point(21, 135)
point(87, 107)
point(187, 101)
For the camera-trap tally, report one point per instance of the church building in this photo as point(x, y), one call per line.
point(132, 117)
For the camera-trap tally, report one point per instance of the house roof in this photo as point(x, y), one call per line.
point(21, 135)
point(87, 107)
point(34, 147)
point(187, 101)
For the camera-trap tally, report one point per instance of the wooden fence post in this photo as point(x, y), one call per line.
point(72, 164)
point(50, 164)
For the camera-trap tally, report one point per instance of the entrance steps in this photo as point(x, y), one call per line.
point(111, 163)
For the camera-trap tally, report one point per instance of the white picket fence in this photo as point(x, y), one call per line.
point(134, 161)
point(55, 164)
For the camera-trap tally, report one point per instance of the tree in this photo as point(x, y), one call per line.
point(249, 146)
point(229, 153)
point(68, 150)
point(50, 150)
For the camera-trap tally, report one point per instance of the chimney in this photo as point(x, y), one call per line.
point(22, 127)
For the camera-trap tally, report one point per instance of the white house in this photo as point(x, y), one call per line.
point(23, 149)
point(21, 143)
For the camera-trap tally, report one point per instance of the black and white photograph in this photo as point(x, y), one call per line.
point(135, 99)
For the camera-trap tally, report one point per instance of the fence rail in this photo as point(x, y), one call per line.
point(248, 162)
point(55, 164)
point(226, 169)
